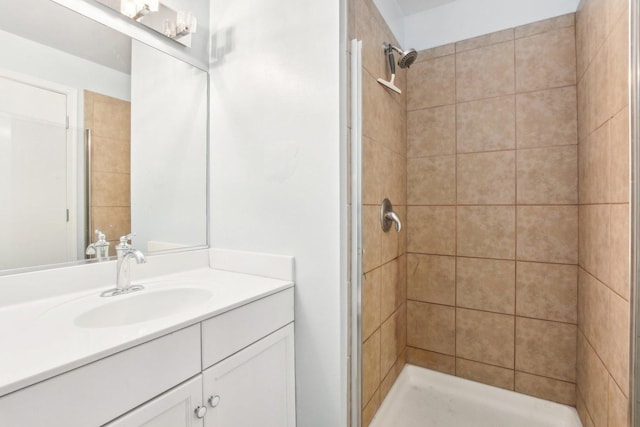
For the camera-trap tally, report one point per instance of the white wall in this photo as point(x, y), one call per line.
point(393, 16)
point(463, 19)
point(168, 150)
point(275, 169)
point(27, 57)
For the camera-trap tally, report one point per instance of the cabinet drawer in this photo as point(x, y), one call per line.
point(230, 332)
point(99, 392)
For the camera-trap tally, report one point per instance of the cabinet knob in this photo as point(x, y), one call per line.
point(201, 411)
point(214, 401)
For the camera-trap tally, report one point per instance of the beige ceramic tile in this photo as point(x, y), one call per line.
point(431, 132)
point(88, 108)
point(485, 337)
point(618, 412)
point(486, 125)
point(619, 250)
point(547, 291)
point(371, 238)
point(389, 241)
point(112, 221)
point(431, 327)
point(430, 360)
point(594, 167)
point(486, 231)
point(545, 25)
point(617, 348)
point(619, 157)
point(548, 234)
point(436, 52)
point(546, 60)
point(389, 380)
point(584, 105)
point(581, 407)
point(593, 381)
point(548, 175)
point(431, 181)
point(431, 278)
point(486, 178)
point(111, 155)
point(396, 188)
point(546, 348)
point(402, 236)
point(371, 284)
point(485, 72)
point(593, 306)
point(582, 59)
point(595, 240)
point(370, 409)
point(370, 366)
point(432, 230)
point(401, 331)
point(383, 119)
point(617, 13)
point(486, 284)
point(618, 63)
point(391, 294)
point(111, 189)
point(112, 120)
point(600, 87)
point(483, 373)
point(597, 26)
point(431, 83)
point(485, 40)
point(373, 161)
point(368, 30)
point(388, 344)
point(546, 388)
point(547, 118)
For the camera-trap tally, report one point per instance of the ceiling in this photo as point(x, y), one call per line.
point(409, 7)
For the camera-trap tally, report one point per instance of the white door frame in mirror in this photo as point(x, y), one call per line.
point(71, 95)
point(108, 17)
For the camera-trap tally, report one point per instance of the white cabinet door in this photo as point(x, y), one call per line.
point(175, 408)
point(254, 387)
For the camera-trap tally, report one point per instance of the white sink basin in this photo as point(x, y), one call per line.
point(141, 307)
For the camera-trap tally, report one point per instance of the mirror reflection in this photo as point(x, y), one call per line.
point(97, 132)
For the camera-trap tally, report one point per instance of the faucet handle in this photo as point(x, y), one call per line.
point(124, 241)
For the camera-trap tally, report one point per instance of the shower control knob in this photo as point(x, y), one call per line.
point(214, 401)
point(201, 411)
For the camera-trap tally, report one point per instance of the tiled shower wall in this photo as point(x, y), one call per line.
point(603, 315)
point(492, 193)
point(384, 176)
point(110, 122)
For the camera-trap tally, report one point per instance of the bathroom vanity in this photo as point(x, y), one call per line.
point(199, 348)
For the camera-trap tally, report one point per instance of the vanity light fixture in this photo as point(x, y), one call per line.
point(184, 24)
point(136, 9)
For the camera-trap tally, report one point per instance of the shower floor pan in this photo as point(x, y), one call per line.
point(424, 398)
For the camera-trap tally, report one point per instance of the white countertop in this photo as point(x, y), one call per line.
point(39, 339)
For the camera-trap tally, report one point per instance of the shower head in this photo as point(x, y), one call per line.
point(407, 57)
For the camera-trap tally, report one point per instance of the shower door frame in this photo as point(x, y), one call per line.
point(355, 378)
point(634, 205)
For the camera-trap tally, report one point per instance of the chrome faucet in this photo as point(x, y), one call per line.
point(125, 252)
point(100, 248)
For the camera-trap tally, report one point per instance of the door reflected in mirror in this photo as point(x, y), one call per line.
point(97, 131)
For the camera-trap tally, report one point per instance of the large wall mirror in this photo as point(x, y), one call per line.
point(97, 131)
